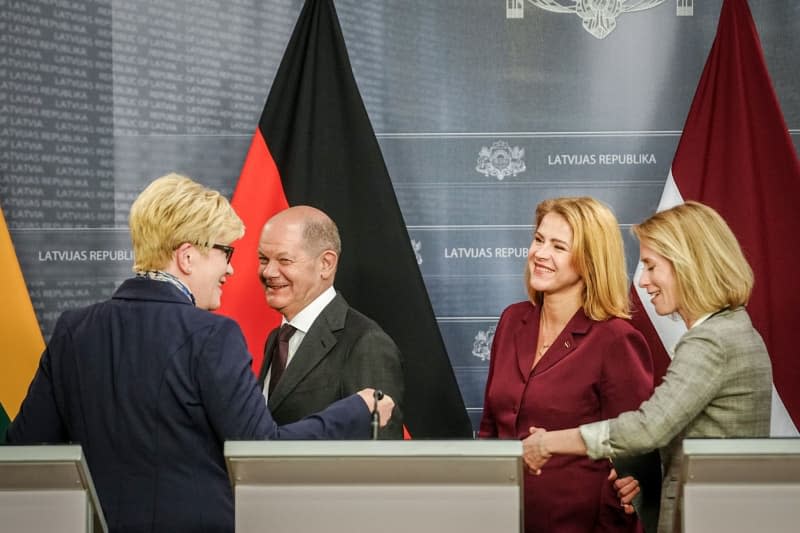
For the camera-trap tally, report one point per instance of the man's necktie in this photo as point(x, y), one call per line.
point(282, 355)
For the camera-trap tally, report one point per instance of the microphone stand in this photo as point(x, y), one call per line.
point(376, 417)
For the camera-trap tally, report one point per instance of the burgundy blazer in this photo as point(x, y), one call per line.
point(592, 371)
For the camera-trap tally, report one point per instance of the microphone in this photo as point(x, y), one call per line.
point(376, 417)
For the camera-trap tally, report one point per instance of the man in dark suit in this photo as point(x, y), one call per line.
point(151, 384)
point(333, 350)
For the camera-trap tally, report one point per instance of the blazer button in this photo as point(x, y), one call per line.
point(566, 344)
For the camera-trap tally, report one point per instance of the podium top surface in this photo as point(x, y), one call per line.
point(766, 446)
point(42, 467)
point(41, 454)
point(49, 467)
point(753, 461)
point(368, 448)
point(465, 463)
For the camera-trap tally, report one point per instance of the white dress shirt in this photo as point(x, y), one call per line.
point(302, 322)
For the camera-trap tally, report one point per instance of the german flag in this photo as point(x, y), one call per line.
point(315, 146)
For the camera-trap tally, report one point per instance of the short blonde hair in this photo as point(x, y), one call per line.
point(597, 254)
point(710, 268)
point(173, 210)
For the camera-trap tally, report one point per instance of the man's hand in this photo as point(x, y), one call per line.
point(627, 489)
point(385, 404)
point(534, 451)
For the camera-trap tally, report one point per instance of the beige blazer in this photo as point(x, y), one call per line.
point(719, 384)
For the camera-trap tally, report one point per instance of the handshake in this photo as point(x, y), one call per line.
point(534, 450)
point(537, 450)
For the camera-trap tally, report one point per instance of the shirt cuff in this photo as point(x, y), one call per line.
point(596, 436)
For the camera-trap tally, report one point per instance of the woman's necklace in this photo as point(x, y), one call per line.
point(543, 349)
point(543, 336)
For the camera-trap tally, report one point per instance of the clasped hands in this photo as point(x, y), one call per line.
point(535, 454)
point(534, 451)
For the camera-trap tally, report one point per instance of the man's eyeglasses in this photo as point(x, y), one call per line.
point(228, 250)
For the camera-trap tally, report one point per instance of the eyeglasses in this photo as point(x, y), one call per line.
point(227, 250)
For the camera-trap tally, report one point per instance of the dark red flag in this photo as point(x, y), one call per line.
point(736, 155)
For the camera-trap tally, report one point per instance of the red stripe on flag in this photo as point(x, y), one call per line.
point(736, 155)
point(258, 195)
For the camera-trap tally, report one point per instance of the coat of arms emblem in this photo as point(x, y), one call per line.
point(417, 246)
point(599, 17)
point(482, 345)
point(501, 160)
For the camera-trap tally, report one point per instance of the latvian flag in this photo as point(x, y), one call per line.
point(735, 154)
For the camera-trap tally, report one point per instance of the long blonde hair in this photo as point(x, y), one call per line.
point(597, 254)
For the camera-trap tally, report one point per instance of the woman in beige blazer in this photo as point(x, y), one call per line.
point(719, 382)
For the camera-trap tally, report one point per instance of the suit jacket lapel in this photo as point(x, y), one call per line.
point(317, 343)
point(525, 339)
point(566, 341)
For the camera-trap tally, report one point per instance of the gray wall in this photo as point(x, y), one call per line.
point(99, 97)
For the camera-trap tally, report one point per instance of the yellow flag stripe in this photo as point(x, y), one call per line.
point(21, 341)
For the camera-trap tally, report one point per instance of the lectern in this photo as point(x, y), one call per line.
point(741, 485)
point(47, 488)
point(386, 486)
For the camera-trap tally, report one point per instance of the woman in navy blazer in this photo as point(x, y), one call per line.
point(568, 356)
point(151, 384)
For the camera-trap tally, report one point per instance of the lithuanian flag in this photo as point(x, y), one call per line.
point(21, 341)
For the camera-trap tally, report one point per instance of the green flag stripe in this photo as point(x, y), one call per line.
point(4, 421)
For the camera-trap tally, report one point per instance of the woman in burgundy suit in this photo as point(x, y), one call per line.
point(567, 357)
